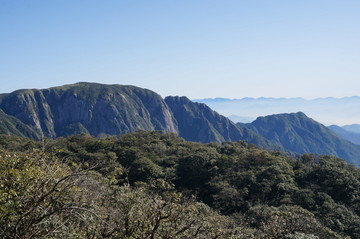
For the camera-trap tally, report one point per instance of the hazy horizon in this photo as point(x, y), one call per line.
point(264, 97)
point(328, 111)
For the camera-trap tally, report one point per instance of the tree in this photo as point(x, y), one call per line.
point(147, 213)
point(285, 221)
point(41, 196)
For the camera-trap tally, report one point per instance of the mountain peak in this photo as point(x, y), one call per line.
point(180, 99)
point(298, 133)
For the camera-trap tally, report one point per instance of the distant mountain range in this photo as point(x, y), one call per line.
point(101, 110)
point(346, 133)
point(328, 111)
point(355, 128)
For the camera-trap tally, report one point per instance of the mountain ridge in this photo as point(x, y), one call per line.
point(101, 110)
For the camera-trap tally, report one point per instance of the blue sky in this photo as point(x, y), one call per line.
point(197, 48)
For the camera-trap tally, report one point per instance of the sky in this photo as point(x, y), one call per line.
point(196, 48)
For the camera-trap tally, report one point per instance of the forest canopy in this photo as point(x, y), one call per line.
point(157, 185)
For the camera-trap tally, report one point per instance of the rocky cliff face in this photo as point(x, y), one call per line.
point(89, 108)
point(99, 109)
point(31, 108)
point(10, 125)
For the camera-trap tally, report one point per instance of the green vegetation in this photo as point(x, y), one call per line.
point(157, 185)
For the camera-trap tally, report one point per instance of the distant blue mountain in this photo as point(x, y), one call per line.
point(346, 134)
point(339, 111)
point(352, 128)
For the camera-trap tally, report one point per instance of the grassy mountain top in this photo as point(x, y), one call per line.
point(94, 91)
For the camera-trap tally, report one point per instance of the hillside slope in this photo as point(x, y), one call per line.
point(345, 134)
point(198, 123)
point(12, 126)
point(298, 133)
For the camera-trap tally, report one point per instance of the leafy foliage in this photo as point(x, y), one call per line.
point(157, 185)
